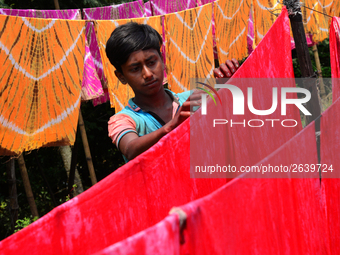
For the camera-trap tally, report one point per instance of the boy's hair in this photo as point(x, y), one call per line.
point(129, 38)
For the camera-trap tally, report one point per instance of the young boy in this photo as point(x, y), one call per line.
point(134, 50)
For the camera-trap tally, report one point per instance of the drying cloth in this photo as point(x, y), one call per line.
point(334, 47)
point(91, 87)
point(261, 216)
point(41, 82)
point(121, 11)
point(131, 199)
point(314, 21)
point(250, 36)
point(163, 238)
point(241, 143)
point(102, 99)
point(119, 93)
point(231, 18)
point(46, 14)
point(316, 24)
point(330, 147)
point(148, 11)
point(162, 7)
point(189, 39)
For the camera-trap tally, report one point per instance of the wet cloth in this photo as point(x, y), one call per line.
point(46, 67)
point(131, 199)
point(334, 46)
point(163, 238)
point(91, 86)
point(330, 147)
point(118, 92)
point(231, 19)
point(189, 39)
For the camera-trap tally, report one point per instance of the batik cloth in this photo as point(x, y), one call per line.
point(189, 39)
point(43, 61)
point(91, 87)
point(231, 18)
point(119, 93)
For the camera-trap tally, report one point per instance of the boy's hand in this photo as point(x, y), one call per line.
point(184, 111)
point(227, 69)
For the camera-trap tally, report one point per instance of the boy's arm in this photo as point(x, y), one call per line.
point(131, 145)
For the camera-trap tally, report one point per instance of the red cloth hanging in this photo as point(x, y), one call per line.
point(241, 144)
point(330, 147)
point(163, 238)
point(262, 216)
point(133, 198)
point(334, 46)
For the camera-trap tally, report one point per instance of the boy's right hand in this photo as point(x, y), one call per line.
point(185, 110)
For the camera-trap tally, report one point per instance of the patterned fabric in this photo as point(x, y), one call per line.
point(263, 16)
point(189, 39)
point(119, 93)
point(46, 14)
point(162, 7)
point(40, 83)
point(315, 22)
point(121, 11)
point(91, 87)
point(148, 11)
point(232, 30)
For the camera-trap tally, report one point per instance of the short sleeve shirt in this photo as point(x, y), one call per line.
point(133, 119)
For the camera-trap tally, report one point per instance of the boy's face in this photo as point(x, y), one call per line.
point(143, 71)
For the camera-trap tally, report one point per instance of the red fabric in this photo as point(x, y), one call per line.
point(330, 147)
point(133, 198)
point(262, 216)
point(334, 46)
point(163, 238)
point(238, 145)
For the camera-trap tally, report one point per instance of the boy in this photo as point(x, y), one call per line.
point(134, 50)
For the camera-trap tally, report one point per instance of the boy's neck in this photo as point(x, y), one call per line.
point(150, 103)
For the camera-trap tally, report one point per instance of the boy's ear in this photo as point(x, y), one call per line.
point(121, 77)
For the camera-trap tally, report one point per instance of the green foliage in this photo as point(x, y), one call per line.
point(20, 224)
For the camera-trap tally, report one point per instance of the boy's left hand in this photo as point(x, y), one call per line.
point(227, 69)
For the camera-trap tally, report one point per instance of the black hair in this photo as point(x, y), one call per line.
point(128, 38)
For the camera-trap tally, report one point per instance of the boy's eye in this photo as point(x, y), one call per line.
point(152, 62)
point(134, 69)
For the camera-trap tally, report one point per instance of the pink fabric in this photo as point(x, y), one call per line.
point(334, 45)
point(91, 86)
point(148, 11)
point(123, 11)
point(162, 7)
point(250, 36)
point(163, 238)
point(46, 14)
point(330, 147)
point(225, 145)
point(262, 216)
point(133, 198)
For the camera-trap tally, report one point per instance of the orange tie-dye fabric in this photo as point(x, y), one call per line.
point(263, 17)
point(40, 85)
point(119, 93)
point(314, 21)
point(189, 46)
point(314, 13)
point(231, 19)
